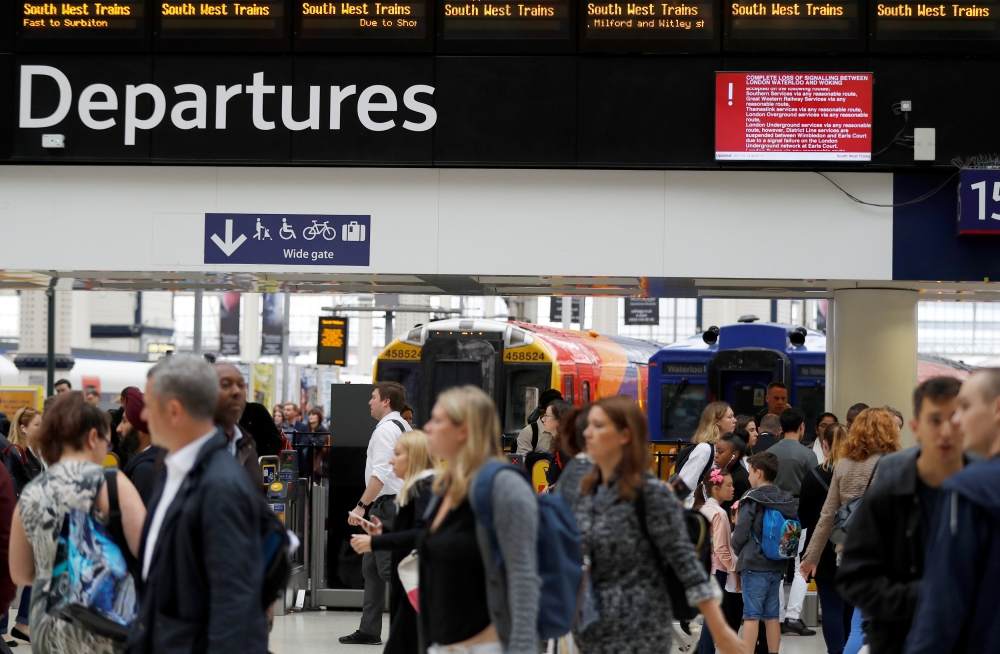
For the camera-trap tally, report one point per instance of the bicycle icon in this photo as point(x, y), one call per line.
point(318, 228)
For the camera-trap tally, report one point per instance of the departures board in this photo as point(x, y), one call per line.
point(503, 26)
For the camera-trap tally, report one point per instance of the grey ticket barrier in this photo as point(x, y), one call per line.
point(290, 501)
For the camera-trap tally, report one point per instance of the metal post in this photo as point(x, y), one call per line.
point(199, 295)
point(388, 327)
point(675, 322)
point(567, 311)
point(50, 358)
point(284, 346)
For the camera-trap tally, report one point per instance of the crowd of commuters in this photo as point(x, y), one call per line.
point(457, 535)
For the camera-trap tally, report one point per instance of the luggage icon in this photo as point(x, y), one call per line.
point(354, 232)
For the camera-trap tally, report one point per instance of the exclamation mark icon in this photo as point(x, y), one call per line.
point(730, 94)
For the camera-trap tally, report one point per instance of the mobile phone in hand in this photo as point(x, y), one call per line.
point(362, 520)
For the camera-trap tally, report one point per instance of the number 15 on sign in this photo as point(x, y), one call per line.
point(979, 197)
point(981, 188)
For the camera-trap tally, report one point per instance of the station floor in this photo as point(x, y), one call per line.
point(317, 632)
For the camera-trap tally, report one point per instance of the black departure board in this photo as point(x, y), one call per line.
point(363, 26)
point(43, 25)
point(938, 27)
point(331, 348)
point(794, 26)
point(214, 25)
point(662, 26)
point(499, 26)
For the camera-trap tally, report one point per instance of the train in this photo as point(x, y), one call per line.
point(736, 362)
point(506, 358)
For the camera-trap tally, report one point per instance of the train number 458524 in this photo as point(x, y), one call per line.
point(523, 356)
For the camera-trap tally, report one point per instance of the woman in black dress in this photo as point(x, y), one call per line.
point(411, 463)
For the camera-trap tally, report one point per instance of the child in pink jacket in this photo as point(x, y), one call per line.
point(717, 487)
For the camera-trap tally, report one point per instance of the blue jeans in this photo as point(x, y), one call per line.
point(857, 638)
point(834, 629)
point(705, 644)
point(761, 594)
point(22, 610)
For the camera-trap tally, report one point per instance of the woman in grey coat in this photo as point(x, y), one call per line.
point(632, 605)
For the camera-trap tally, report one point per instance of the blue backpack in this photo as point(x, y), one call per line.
point(560, 551)
point(780, 538)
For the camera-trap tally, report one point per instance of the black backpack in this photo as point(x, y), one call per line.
point(683, 492)
point(700, 532)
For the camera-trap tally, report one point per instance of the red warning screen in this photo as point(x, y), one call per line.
point(793, 116)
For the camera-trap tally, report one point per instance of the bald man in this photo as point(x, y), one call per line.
point(232, 403)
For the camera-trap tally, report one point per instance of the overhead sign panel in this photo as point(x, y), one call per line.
point(219, 26)
point(793, 116)
point(402, 26)
point(979, 201)
point(287, 239)
point(331, 350)
point(642, 311)
point(82, 25)
point(795, 26)
point(496, 26)
point(922, 27)
point(672, 26)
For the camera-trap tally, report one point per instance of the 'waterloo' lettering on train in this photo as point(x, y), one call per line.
point(97, 105)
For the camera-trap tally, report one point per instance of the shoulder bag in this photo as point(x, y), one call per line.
point(842, 519)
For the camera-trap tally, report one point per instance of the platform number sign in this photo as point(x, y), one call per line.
point(979, 202)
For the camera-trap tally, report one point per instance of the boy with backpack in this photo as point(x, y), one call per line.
point(766, 536)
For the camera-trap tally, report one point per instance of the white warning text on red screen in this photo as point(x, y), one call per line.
point(793, 116)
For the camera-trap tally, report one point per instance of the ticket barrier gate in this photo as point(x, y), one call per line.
point(288, 497)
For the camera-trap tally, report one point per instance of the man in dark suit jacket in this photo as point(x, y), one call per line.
point(202, 566)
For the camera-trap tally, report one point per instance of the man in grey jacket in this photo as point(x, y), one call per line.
point(795, 460)
point(761, 577)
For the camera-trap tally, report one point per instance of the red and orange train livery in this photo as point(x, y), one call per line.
point(505, 359)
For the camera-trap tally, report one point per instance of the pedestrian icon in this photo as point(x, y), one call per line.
point(263, 233)
point(285, 229)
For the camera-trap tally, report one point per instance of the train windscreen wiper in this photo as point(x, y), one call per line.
point(673, 400)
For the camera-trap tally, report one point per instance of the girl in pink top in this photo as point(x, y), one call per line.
point(717, 487)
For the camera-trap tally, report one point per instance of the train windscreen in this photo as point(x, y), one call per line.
point(449, 373)
point(519, 380)
point(682, 405)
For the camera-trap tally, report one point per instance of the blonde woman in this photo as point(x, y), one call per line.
point(414, 465)
point(20, 458)
point(468, 603)
point(695, 461)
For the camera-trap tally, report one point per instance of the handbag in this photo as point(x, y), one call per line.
point(91, 585)
point(409, 576)
point(699, 531)
point(842, 519)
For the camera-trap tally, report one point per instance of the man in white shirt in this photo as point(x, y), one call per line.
point(201, 553)
point(387, 400)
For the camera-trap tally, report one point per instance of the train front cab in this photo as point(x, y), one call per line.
point(501, 358)
point(685, 376)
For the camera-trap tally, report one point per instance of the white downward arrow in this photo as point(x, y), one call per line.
point(229, 245)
